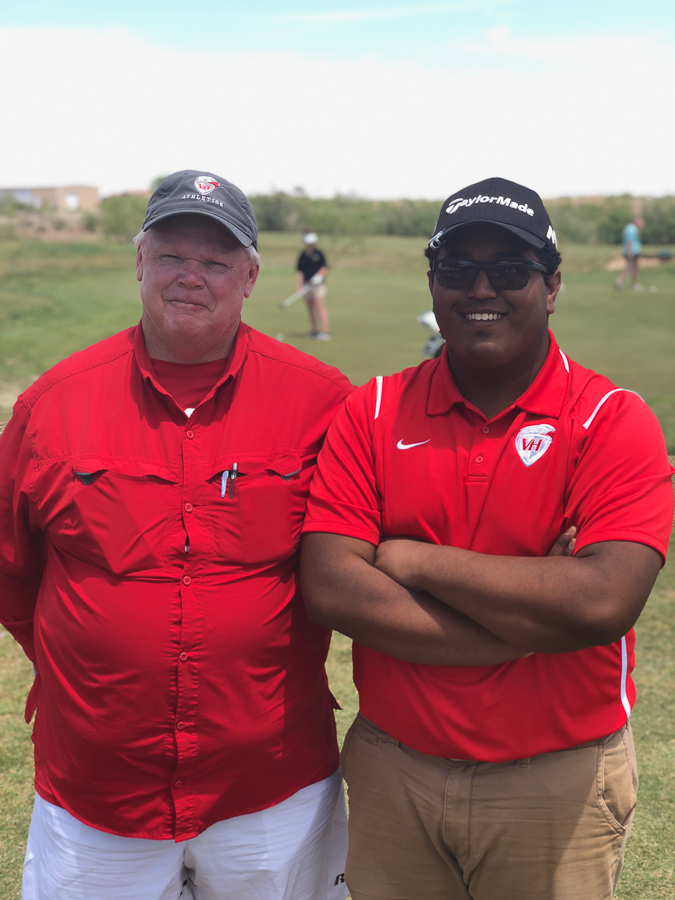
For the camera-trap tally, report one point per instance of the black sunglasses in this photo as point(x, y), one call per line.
point(506, 275)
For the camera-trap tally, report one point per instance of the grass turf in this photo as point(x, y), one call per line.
point(58, 298)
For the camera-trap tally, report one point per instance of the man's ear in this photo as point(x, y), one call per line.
point(139, 263)
point(252, 278)
point(552, 289)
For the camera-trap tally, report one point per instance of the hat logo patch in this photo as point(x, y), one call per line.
point(205, 184)
point(483, 198)
point(533, 441)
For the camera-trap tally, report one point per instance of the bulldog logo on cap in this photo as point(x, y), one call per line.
point(205, 184)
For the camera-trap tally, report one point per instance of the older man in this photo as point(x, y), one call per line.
point(152, 490)
point(492, 757)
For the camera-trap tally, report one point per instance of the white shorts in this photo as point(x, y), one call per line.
point(293, 851)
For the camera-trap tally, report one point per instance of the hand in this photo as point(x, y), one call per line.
point(565, 544)
point(316, 279)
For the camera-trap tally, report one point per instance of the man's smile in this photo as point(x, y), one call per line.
point(483, 317)
point(192, 303)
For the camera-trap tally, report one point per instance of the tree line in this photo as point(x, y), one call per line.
point(583, 220)
point(597, 221)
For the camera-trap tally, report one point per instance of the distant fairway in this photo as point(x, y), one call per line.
point(58, 298)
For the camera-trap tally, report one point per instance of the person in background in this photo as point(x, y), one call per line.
point(492, 757)
point(311, 272)
point(152, 491)
point(631, 246)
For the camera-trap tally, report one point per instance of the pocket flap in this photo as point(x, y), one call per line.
point(134, 468)
point(286, 464)
point(283, 464)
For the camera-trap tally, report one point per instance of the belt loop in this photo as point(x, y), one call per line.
point(524, 763)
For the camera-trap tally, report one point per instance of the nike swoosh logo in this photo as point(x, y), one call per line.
point(402, 446)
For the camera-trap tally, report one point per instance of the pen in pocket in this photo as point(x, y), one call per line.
point(230, 474)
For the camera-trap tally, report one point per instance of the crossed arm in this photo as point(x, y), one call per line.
point(446, 606)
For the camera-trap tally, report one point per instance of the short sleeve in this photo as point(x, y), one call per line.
point(343, 496)
point(621, 489)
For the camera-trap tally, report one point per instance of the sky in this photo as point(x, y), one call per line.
point(379, 99)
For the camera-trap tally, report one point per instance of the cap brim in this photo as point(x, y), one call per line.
point(526, 236)
point(244, 239)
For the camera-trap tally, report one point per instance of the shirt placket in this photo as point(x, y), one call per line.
point(191, 631)
point(487, 447)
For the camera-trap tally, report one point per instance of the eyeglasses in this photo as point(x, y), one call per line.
point(506, 275)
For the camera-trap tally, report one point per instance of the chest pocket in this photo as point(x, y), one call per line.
point(256, 518)
point(111, 514)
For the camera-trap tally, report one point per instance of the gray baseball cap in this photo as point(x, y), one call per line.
point(206, 194)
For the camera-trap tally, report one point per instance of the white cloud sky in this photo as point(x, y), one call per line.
point(386, 14)
point(566, 117)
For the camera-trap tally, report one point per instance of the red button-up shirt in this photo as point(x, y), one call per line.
point(179, 681)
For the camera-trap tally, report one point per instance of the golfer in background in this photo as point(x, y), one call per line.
point(631, 249)
point(492, 757)
point(152, 491)
point(312, 269)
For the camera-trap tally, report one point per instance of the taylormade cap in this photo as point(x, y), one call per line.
point(496, 201)
point(311, 237)
point(194, 191)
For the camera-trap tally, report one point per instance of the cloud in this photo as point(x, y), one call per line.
point(613, 49)
point(110, 109)
point(386, 14)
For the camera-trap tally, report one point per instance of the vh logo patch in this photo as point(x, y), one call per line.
point(205, 184)
point(533, 441)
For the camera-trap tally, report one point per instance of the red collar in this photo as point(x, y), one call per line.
point(544, 397)
point(233, 362)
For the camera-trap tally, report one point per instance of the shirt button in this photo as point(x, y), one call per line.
point(189, 435)
point(183, 656)
point(180, 725)
point(178, 784)
point(479, 459)
point(188, 507)
point(485, 429)
point(187, 579)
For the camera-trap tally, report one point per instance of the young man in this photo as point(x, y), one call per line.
point(152, 490)
point(631, 248)
point(311, 272)
point(492, 757)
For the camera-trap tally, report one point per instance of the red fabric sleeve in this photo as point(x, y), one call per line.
point(344, 498)
point(621, 489)
point(21, 546)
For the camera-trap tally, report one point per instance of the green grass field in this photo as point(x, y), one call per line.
point(58, 298)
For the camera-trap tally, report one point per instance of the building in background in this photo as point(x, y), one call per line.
point(72, 198)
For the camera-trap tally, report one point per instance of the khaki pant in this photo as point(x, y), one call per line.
point(421, 827)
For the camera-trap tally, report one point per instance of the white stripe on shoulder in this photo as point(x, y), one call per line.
point(564, 359)
point(378, 402)
point(624, 676)
point(604, 400)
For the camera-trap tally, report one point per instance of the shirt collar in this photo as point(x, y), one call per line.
point(544, 397)
point(233, 363)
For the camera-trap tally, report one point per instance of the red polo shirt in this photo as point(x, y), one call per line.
point(179, 681)
point(408, 456)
